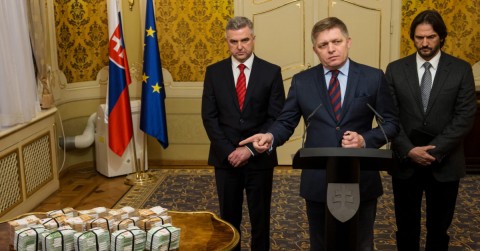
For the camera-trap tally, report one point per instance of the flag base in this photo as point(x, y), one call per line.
point(140, 179)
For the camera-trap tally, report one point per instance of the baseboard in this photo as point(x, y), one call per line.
point(154, 164)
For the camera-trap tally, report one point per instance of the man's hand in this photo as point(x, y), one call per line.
point(420, 155)
point(239, 157)
point(352, 140)
point(261, 141)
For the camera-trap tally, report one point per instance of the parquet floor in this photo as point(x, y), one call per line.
point(82, 187)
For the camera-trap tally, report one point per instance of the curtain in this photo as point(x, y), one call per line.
point(18, 88)
point(36, 13)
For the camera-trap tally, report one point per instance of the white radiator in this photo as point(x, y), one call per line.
point(28, 165)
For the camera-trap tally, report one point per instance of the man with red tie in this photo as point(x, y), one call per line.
point(242, 96)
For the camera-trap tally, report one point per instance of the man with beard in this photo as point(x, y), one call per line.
point(435, 95)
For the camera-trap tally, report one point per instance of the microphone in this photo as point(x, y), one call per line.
point(379, 117)
point(380, 121)
point(307, 123)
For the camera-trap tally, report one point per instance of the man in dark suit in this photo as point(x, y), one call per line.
point(230, 114)
point(343, 120)
point(435, 94)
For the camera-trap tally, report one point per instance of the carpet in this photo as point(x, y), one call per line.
point(194, 190)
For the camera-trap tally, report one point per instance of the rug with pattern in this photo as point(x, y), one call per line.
point(194, 190)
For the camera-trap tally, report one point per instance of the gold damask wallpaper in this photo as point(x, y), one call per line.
point(192, 34)
point(462, 19)
point(82, 38)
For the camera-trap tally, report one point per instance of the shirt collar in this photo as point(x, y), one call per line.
point(434, 61)
point(248, 63)
point(343, 69)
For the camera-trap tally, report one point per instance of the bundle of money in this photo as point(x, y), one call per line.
point(132, 238)
point(154, 221)
point(163, 238)
point(29, 238)
point(123, 213)
point(24, 222)
point(154, 211)
point(54, 223)
point(68, 211)
point(59, 240)
point(95, 239)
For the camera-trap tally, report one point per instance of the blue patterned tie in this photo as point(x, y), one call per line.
point(335, 93)
point(426, 85)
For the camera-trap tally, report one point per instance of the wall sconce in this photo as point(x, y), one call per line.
point(131, 3)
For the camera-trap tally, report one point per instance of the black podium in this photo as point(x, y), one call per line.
point(343, 167)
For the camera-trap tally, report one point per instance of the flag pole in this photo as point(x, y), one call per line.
point(140, 177)
point(152, 113)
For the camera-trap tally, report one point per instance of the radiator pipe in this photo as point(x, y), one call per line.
point(80, 141)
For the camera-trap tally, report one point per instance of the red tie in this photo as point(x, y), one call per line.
point(241, 86)
point(334, 93)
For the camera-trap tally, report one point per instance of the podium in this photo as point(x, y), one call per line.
point(343, 167)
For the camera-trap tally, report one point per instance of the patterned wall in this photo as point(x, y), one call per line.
point(82, 38)
point(192, 34)
point(462, 19)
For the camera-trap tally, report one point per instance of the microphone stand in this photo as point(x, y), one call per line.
point(379, 119)
point(307, 123)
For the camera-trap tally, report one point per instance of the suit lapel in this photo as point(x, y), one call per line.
point(352, 84)
point(252, 81)
point(230, 81)
point(413, 84)
point(439, 81)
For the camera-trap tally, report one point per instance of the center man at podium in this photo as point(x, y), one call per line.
point(334, 99)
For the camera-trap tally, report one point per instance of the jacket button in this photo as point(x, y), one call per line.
point(337, 128)
point(242, 121)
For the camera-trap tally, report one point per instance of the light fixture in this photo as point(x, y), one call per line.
point(131, 3)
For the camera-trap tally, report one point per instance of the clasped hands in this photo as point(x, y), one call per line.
point(239, 157)
point(421, 156)
point(263, 141)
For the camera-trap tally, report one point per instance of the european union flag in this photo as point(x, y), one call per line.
point(152, 117)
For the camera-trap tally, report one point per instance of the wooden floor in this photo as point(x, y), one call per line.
point(82, 187)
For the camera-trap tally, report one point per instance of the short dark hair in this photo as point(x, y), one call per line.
point(433, 18)
point(237, 23)
point(327, 24)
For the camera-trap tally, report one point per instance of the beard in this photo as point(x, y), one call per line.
point(428, 53)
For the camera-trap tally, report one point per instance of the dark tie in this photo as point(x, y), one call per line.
point(241, 86)
point(335, 93)
point(426, 85)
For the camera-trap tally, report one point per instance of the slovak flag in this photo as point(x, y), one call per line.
point(120, 129)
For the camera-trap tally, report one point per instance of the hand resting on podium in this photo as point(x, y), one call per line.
point(263, 141)
point(352, 140)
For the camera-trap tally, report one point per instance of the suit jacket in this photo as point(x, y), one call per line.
point(225, 124)
point(449, 117)
point(365, 85)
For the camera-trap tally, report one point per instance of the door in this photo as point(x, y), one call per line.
point(283, 27)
